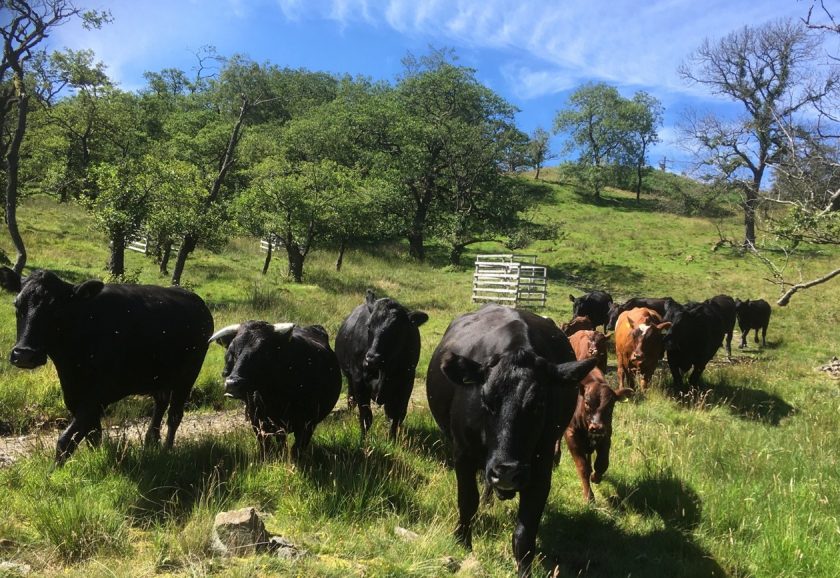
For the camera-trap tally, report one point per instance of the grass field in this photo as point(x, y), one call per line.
point(740, 478)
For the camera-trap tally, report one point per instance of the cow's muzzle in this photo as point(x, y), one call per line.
point(27, 358)
point(234, 388)
point(507, 478)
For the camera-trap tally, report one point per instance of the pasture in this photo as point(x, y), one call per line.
point(740, 478)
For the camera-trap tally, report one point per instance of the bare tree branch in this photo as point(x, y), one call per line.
point(785, 299)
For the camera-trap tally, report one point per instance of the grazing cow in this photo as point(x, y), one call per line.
point(595, 305)
point(108, 341)
point(753, 314)
point(638, 345)
point(658, 304)
point(287, 375)
point(378, 346)
point(591, 344)
point(726, 309)
point(697, 331)
point(502, 385)
point(590, 430)
point(576, 324)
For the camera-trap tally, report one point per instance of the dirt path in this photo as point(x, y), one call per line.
point(193, 426)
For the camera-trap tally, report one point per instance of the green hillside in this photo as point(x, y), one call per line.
point(740, 478)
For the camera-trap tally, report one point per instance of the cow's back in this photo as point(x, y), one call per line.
point(132, 339)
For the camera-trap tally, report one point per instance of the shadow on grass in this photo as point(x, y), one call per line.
point(357, 482)
point(588, 544)
point(591, 276)
point(744, 402)
point(428, 440)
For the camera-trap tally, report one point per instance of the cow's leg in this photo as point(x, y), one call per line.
point(531, 504)
point(602, 461)
point(743, 338)
point(763, 335)
point(729, 344)
point(83, 423)
point(696, 374)
point(676, 374)
point(365, 414)
point(584, 470)
point(161, 403)
point(302, 438)
point(755, 332)
point(178, 399)
point(467, 500)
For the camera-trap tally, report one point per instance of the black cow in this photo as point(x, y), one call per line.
point(658, 304)
point(378, 346)
point(108, 342)
point(502, 385)
point(287, 375)
point(726, 309)
point(753, 314)
point(697, 331)
point(595, 305)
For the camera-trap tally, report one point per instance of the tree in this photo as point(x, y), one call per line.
point(770, 70)
point(642, 117)
point(593, 122)
point(434, 105)
point(26, 24)
point(539, 150)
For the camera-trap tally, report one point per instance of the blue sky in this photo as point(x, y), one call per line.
point(532, 52)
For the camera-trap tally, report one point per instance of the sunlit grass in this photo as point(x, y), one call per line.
point(739, 478)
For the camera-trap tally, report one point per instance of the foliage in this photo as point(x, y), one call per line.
point(610, 133)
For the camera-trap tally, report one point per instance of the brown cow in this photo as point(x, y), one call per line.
point(590, 430)
point(638, 345)
point(591, 344)
point(577, 324)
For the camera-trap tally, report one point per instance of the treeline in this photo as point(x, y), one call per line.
point(305, 158)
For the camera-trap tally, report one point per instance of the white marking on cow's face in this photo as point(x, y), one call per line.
point(644, 328)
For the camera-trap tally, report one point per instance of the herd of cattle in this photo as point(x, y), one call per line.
point(503, 384)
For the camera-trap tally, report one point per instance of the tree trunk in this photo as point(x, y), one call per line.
point(116, 262)
point(296, 259)
point(455, 253)
point(638, 183)
point(12, 163)
point(537, 175)
point(166, 253)
point(187, 246)
point(267, 261)
point(749, 218)
point(340, 261)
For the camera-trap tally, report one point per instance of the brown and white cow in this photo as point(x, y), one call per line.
point(590, 343)
point(638, 345)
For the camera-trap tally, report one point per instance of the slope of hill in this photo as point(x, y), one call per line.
point(738, 478)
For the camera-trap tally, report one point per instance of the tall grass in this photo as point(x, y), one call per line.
point(737, 478)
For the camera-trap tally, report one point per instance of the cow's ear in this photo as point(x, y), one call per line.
point(460, 370)
point(572, 372)
point(418, 318)
point(571, 298)
point(624, 393)
point(88, 289)
point(664, 325)
point(10, 280)
point(370, 298)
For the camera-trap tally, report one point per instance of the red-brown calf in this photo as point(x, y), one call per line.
point(590, 430)
point(591, 344)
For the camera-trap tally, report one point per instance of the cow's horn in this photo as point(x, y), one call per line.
point(224, 332)
point(283, 328)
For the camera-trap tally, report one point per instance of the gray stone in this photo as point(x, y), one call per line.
point(14, 569)
point(451, 564)
point(406, 535)
point(283, 548)
point(239, 533)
